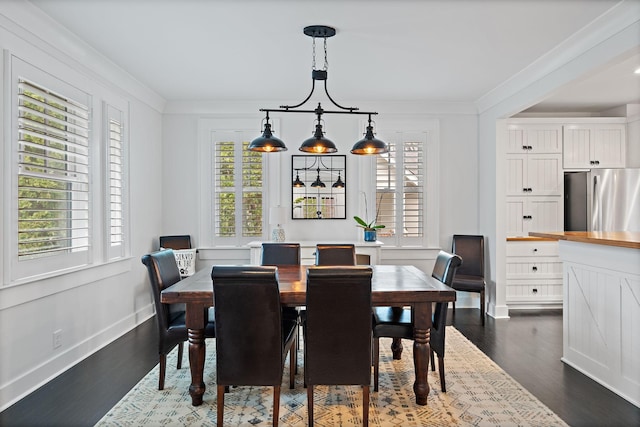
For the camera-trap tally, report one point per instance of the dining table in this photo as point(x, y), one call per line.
point(391, 285)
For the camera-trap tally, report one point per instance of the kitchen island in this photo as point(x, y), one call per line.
point(601, 307)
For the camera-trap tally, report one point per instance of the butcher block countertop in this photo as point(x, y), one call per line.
point(625, 239)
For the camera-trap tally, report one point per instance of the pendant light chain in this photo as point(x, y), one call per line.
point(326, 61)
point(313, 57)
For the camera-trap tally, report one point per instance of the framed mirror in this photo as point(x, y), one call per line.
point(318, 187)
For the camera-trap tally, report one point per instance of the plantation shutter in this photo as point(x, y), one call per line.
point(400, 188)
point(115, 181)
point(53, 173)
point(251, 192)
point(238, 189)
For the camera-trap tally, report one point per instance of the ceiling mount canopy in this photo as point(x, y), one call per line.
point(318, 144)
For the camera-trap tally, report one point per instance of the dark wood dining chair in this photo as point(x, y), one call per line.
point(280, 254)
point(253, 338)
point(175, 242)
point(283, 254)
point(470, 276)
point(397, 322)
point(335, 254)
point(338, 330)
point(172, 330)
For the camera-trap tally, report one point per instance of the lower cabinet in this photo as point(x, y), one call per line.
point(534, 274)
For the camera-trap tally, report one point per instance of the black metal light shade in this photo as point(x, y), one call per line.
point(369, 144)
point(318, 144)
point(267, 143)
point(317, 183)
point(297, 183)
point(339, 183)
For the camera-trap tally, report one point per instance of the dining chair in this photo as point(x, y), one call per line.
point(338, 330)
point(253, 338)
point(283, 254)
point(280, 254)
point(175, 242)
point(335, 254)
point(172, 330)
point(396, 322)
point(470, 276)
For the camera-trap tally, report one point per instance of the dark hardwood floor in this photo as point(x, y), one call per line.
point(528, 346)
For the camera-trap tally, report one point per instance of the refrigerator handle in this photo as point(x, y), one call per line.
point(596, 219)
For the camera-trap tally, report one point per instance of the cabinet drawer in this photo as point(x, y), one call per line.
point(519, 291)
point(538, 268)
point(532, 249)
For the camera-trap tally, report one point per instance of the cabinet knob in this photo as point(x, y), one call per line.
point(534, 268)
point(597, 162)
point(535, 249)
point(524, 147)
point(529, 147)
point(592, 162)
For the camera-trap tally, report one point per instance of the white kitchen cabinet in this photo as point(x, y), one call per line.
point(591, 146)
point(534, 273)
point(534, 174)
point(525, 138)
point(531, 213)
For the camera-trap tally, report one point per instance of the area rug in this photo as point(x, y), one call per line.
point(479, 393)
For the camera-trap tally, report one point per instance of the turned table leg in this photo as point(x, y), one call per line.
point(196, 323)
point(421, 349)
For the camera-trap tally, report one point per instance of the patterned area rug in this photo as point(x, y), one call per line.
point(479, 393)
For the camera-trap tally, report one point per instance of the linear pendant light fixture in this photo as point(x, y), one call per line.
point(318, 143)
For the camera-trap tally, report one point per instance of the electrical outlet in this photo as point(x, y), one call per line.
point(57, 338)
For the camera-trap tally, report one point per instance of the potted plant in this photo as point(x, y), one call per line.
point(368, 227)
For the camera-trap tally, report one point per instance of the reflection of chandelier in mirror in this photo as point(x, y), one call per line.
point(297, 183)
point(317, 182)
point(318, 143)
point(339, 183)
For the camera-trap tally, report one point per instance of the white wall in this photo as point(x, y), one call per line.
point(94, 306)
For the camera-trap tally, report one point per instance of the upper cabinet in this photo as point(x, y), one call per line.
point(534, 160)
point(534, 138)
point(591, 146)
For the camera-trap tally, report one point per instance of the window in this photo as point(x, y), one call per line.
point(115, 190)
point(53, 173)
point(238, 189)
point(401, 196)
point(67, 190)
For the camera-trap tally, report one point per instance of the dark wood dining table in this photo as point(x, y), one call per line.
point(392, 285)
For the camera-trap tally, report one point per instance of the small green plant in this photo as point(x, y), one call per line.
point(369, 226)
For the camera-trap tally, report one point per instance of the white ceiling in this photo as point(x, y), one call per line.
point(408, 50)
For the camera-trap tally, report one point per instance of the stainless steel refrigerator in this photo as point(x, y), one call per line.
point(602, 200)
